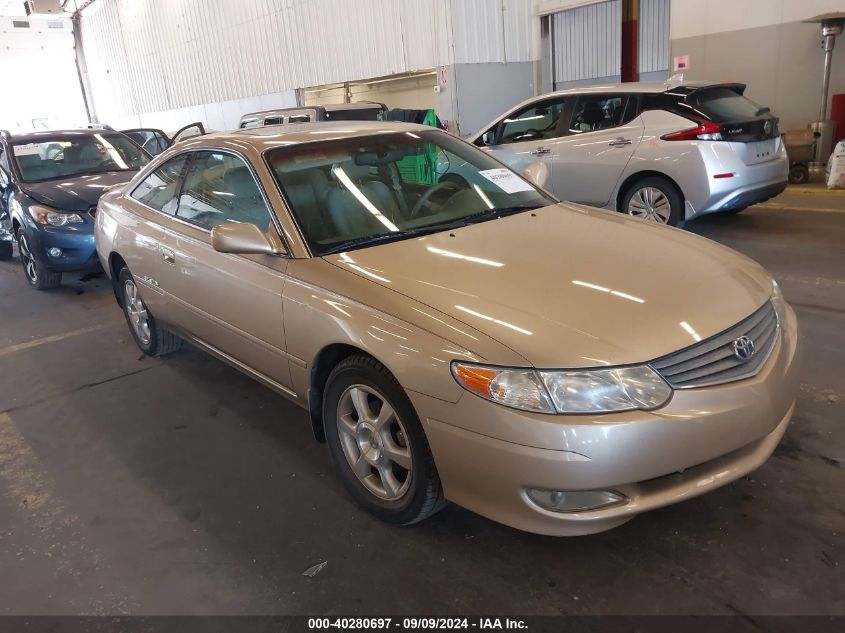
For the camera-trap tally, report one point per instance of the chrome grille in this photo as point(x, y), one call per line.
point(713, 362)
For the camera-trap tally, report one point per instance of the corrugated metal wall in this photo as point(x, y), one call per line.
point(159, 55)
point(587, 42)
point(166, 54)
point(492, 30)
point(654, 35)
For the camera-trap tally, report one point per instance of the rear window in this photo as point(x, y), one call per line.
point(723, 105)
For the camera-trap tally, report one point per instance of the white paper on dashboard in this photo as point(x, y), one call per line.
point(506, 180)
point(28, 149)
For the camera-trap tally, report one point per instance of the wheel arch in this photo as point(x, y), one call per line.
point(324, 362)
point(640, 175)
point(116, 264)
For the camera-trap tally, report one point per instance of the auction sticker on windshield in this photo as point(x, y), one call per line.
point(29, 149)
point(506, 180)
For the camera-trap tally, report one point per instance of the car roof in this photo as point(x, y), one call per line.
point(329, 107)
point(37, 137)
point(653, 87)
point(270, 135)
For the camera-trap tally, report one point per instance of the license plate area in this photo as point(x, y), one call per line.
point(760, 151)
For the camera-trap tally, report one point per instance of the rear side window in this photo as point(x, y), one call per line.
point(299, 118)
point(597, 112)
point(723, 105)
point(158, 190)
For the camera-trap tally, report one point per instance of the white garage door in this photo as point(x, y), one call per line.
point(38, 66)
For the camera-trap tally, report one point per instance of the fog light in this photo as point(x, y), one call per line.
point(55, 252)
point(574, 500)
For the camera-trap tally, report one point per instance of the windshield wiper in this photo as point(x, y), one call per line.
point(381, 238)
point(498, 212)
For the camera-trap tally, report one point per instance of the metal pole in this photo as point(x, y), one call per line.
point(829, 41)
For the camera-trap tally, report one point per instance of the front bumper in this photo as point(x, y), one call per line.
point(76, 243)
point(488, 456)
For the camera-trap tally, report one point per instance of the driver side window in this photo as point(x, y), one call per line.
point(220, 188)
point(536, 122)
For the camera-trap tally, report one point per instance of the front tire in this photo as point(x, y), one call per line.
point(377, 443)
point(149, 335)
point(38, 277)
point(654, 199)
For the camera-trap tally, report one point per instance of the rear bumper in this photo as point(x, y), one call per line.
point(489, 456)
point(749, 184)
point(742, 199)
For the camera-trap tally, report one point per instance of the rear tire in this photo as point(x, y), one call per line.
point(38, 277)
point(798, 175)
point(149, 335)
point(654, 199)
point(381, 455)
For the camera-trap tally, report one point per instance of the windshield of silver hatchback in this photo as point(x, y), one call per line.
point(349, 193)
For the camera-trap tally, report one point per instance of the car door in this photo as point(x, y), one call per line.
point(5, 192)
point(232, 303)
point(189, 131)
point(602, 134)
point(528, 135)
point(151, 140)
point(154, 201)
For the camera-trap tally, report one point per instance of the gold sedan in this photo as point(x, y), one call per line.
point(454, 331)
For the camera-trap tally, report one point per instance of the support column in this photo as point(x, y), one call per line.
point(630, 47)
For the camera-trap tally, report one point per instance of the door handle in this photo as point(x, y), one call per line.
point(619, 142)
point(540, 151)
point(168, 256)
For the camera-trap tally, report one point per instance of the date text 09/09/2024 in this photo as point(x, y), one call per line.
point(316, 624)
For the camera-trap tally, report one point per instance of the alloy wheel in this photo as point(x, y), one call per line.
point(375, 442)
point(651, 204)
point(30, 268)
point(137, 312)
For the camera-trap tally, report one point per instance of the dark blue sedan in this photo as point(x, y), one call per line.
point(50, 183)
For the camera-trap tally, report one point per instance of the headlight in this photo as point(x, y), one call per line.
point(778, 302)
point(517, 388)
point(46, 215)
point(581, 391)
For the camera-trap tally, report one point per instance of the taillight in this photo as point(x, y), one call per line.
point(705, 131)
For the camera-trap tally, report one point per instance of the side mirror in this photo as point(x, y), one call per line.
point(537, 172)
point(245, 238)
point(489, 137)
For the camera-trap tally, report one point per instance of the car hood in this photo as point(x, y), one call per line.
point(570, 286)
point(78, 193)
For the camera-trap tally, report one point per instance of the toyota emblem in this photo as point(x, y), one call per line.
point(767, 127)
point(743, 348)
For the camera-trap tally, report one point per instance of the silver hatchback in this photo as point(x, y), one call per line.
point(666, 152)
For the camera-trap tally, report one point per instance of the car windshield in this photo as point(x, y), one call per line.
point(64, 156)
point(353, 192)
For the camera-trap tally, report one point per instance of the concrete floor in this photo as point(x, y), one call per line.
point(179, 486)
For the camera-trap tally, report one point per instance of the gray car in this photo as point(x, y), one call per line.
point(666, 152)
